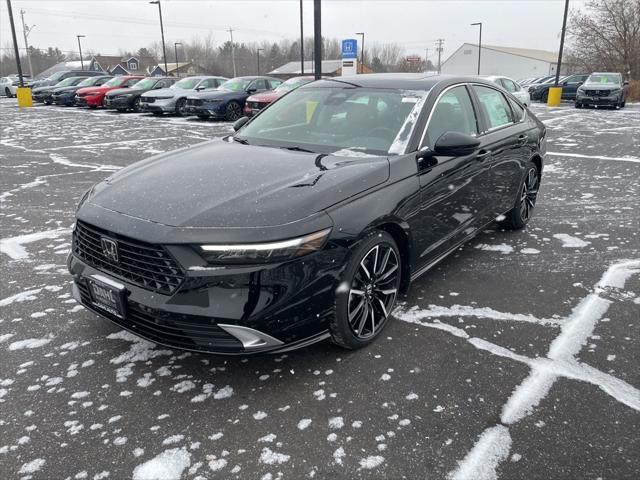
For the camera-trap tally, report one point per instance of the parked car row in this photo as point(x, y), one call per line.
point(202, 96)
point(596, 89)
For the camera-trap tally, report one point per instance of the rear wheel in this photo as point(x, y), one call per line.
point(136, 105)
point(522, 211)
point(545, 96)
point(233, 111)
point(7, 92)
point(367, 295)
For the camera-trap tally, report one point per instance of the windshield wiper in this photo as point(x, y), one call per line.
point(240, 140)
point(297, 148)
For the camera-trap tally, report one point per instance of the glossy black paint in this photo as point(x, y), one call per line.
point(125, 98)
point(227, 192)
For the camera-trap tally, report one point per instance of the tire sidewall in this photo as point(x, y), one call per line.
point(340, 329)
point(228, 110)
point(516, 217)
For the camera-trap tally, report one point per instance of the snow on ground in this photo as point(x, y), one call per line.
point(517, 353)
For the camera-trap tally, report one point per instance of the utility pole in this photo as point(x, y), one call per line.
point(564, 28)
point(15, 44)
point(426, 59)
point(233, 56)
point(259, 50)
point(317, 38)
point(164, 49)
point(80, 51)
point(301, 42)
point(175, 49)
point(479, 43)
point(439, 48)
point(362, 52)
point(26, 30)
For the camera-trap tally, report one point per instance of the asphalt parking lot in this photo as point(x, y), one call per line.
point(516, 358)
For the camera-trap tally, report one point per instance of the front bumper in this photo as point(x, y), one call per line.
point(227, 310)
point(608, 100)
point(162, 105)
point(215, 110)
point(118, 102)
point(64, 99)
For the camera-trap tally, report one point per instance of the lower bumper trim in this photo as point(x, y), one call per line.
point(251, 339)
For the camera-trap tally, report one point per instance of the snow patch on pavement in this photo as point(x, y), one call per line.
point(481, 462)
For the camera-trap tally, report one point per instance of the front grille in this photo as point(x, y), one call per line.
point(143, 264)
point(597, 93)
point(181, 331)
point(194, 102)
point(147, 99)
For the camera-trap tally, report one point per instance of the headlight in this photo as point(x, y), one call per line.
point(271, 252)
point(83, 198)
point(615, 92)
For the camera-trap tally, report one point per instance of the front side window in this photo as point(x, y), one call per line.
point(186, 83)
point(235, 84)
point(453, 113)
point(342, 121)
point(495, 106)
point(277, 83)
point(145, 83)
point(259, 85)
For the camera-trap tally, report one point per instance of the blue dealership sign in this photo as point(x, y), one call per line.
point(350, 48)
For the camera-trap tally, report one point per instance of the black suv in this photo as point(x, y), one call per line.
point(63, 74)
point(604, 89)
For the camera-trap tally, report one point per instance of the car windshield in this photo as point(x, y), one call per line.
point(66, 82)
point(145, 83)
point(87, 82)
point(235, 84)
point(292, 84)
point(186, 83)
point(604, 79)
point(342, 121)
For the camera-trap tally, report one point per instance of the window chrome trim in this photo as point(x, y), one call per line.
point(450, 87)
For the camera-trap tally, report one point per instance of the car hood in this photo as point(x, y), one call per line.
point(42, 89)
point(222, 184)
point(265, 97)
point(600, 86)
point(120, 91)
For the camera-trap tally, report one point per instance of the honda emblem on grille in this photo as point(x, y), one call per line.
point(109, 249)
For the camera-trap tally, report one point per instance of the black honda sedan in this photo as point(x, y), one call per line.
point(311, 219)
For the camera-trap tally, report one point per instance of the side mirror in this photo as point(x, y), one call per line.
point(158, 87)
point(240, 123)
point(200, 87)
point(251, 90)
point(426, 159)
point(565, 84)
point(626, 82)
point(456, 144)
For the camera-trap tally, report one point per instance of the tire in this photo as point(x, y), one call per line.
point(233, 111)
point(7, 92)
point(203, 117)
point(526, 199)
point(93, 107)
point(578, 105)
point(181, 106)
point(48, 101)
point(372, 281)
point(545, 96)
point(135, 106)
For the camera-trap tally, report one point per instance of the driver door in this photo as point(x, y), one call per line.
point(453, 190)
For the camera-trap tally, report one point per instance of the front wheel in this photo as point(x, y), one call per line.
point(136, 105)
point(7, 92)
point(181, 107)
point(522, 211)
point(545, 97)
point(368, 291)
point(48, 101)
point(233, 111)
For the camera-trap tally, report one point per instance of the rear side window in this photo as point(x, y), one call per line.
point(494, 105)
point(509, 86)
point(518, 111)
point(274, 83)
point(453, 113)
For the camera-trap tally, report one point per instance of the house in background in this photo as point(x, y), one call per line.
point(116, 65)
point(182, 69)
point(330, 68)
point(512, 62)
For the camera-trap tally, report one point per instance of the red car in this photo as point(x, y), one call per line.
point(257, 102)
point(93, 97)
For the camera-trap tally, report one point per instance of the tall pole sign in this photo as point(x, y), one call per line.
point(349, 56)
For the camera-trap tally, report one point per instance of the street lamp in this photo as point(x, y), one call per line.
point(175, 48)
point(164, 50)
point(259, 50)
point(479, 43)
point(301, 42)
point(80, 50)
point(362, 53)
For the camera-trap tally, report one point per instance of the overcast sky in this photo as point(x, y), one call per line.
point(416, 24)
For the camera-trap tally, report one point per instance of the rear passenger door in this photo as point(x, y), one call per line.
point(453, 190)
point(506, 137)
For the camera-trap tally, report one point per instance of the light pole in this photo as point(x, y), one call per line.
point(164, 50)
point(175, 49)
point(479, 43)
point(564, 28)
point(15, 44)
point(259, 50)
point(26, 30)
point(362, 52)
point(233, 55)
point(317, 39)
point(301, 42)
point(80, 51)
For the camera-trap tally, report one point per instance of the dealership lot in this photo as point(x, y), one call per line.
point(519, 350)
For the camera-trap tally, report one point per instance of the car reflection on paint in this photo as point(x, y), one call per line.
point(310, 220)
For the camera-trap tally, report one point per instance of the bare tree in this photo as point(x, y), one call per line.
point(606, 36)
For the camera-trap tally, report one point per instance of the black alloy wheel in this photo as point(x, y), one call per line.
point(367, 295)
point(7, 92)
point(136, 105)
point(233, 111)
point(181, 107)
point(545, 96)
point(522, 212)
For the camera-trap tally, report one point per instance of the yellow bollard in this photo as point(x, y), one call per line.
point(555, 95)
point(24, 97)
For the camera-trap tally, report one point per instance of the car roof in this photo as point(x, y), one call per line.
point(403, 81)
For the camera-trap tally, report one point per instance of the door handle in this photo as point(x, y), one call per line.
point(522, 139)
point(482, 155)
